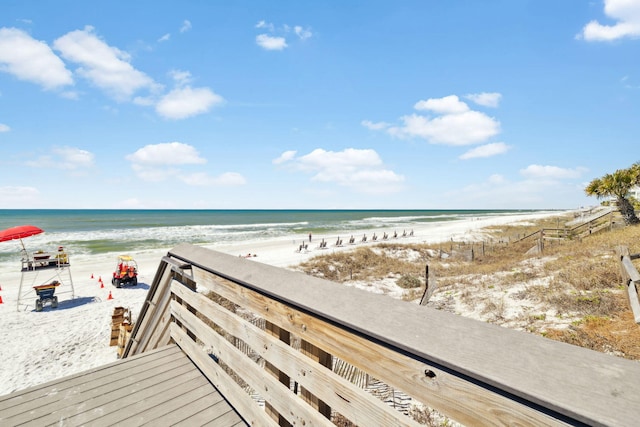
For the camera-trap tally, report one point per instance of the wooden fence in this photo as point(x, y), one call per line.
point(607, 220)
point(285, 348)
point(630, 279)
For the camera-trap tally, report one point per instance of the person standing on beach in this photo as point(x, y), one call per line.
point(309, 237)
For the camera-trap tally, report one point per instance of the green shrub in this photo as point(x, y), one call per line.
point(409, 281)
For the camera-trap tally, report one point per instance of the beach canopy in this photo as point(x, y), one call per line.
point(19, 232)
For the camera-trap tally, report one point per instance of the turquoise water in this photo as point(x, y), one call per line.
point(88, 232)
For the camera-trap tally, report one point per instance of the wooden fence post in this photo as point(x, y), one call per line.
point(284, 336)
point(325, 359)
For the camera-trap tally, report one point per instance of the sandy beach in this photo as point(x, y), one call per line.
point(37, 347)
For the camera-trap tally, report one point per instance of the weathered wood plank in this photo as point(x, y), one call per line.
point(233, 393)
point(632, 273)
point(99, 396)
point(129, 410)
point(293, 409)
point(323, 358)
point(284, 336)
point(219, 414)
point(154, 326)
point(186, 404)
point(440, 389)
point(630, 279)
point(52, 391)
point(351, 401)
point(134, 407)
point(143, 330)
point(227, 419)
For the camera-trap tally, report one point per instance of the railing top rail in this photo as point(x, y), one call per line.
point(579, 383)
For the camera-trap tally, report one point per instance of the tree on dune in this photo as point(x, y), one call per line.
point(617, 185)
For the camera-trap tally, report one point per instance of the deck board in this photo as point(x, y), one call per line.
point(160, 387)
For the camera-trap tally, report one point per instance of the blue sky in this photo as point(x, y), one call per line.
point(462, 104)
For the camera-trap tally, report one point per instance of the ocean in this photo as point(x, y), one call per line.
point(89, 232)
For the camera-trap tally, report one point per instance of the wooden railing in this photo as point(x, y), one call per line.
point(605, 221)
point(630, 279)
point(272, 340)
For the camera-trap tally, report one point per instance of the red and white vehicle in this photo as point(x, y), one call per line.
point(126, 272)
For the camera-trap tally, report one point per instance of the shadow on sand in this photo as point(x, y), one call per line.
point(67, 304)
point(140, 285)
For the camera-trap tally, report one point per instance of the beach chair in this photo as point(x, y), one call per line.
point(364, 238)
point(352, 240)
point(385, 236)
point(374, 238)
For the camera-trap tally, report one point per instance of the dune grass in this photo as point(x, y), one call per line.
point(571, 292)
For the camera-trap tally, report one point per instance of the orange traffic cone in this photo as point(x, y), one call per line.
point(0, 299)
point(92, 275)
point(101, 285)
point(99, 278)
point(110, 297)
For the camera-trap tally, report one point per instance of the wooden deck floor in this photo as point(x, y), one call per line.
point(159, 388)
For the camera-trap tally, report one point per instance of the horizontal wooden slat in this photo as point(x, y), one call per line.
point(238, 398)
point(349, 400)
point(631, 269)
point(442, 391)
point(293, 409)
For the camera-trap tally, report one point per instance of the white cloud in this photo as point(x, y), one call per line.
point(157, 162)
point(164, 38)
point(185, 102)
point(470, 127)
point(486, 150)
point(227, 179)
point(74, 158)
point(186, 26)
point(551, 172)
point(485, 99)
point(271, 40)
point(168, 153)
point(496, 179)
point(626, 13)
point(284, 157)
point(66, 158)
point(181, 78)
point(264, 24)
point(302, 33)
point(31, 60)
point(105, 66)
point(448, 105)
point(4, 128)
point(361, 170)
point(271, 43)
point(453, 123)
point(374, 126)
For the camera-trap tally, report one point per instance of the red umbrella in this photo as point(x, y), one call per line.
point(19, 232)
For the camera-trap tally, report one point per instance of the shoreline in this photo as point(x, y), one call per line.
point(75, 336)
